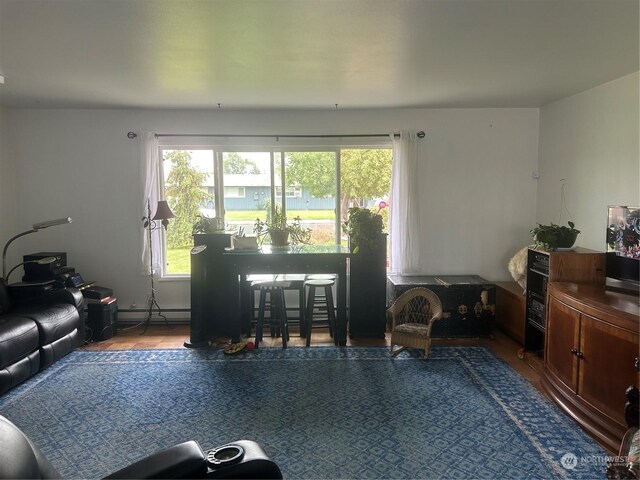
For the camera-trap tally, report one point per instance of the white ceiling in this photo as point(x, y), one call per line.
point(310, 54)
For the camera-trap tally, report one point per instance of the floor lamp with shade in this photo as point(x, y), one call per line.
point(162, 215)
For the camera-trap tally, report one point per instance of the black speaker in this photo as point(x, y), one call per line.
point(199, 337)
point(102, 318)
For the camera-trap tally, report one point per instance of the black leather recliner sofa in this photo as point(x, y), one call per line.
point(21, 458)
point(37, 331)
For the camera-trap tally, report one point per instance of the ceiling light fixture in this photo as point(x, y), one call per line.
point(1, 79)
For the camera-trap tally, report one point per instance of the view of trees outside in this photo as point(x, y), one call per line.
point(365, 180)
point(185, 195)
point(315, 174)
point(234, 163)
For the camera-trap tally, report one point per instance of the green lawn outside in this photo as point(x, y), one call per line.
point(178, 259)
point(249, 215)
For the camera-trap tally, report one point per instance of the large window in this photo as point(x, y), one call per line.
point(242, 184)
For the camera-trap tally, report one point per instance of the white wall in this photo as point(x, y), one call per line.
point(478, 196)
point(7, 185)
point(590, 140)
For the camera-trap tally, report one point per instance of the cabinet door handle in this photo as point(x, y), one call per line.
point(574, 351)
point(636, 363)
point(580, 355)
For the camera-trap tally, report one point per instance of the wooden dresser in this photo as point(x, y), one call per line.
point(591, 355)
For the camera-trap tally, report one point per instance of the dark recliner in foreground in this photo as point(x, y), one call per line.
point(21, 458)
point(37, 331)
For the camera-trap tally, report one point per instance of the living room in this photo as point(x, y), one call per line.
point(519, 98)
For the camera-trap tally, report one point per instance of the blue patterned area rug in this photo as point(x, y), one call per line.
point(318, 412)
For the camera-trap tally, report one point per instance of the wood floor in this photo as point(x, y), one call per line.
point(174, 336)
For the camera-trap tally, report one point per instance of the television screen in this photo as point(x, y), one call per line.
point(623, 244)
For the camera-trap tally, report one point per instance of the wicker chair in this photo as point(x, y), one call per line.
point(412, 316)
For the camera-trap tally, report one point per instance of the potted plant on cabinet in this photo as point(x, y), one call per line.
point(208, 225)
point(364, 228)
point(555, 236)
point(281, 231)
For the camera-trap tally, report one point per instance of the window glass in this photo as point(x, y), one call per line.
point(248, 174)
point(314, 175)
point(365, 181)
point(252, 182)
point(189, 188)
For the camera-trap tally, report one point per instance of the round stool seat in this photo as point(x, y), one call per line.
point(321, 276)
point(320, 283)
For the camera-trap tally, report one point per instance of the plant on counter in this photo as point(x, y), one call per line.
point(208, 225)
point(364, 228)
point(280, 230)
point(555, 236)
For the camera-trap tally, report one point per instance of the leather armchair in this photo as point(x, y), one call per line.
point(21, 458)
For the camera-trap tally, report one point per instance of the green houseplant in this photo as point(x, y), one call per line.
point(280, 230)
point(555, 236)
point(364, 228)
point(208, 225)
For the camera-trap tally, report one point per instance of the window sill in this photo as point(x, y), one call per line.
point(175, 278)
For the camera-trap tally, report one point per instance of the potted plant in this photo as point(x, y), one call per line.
point(364, 228)
point(555, 236)
point(208, 225)
point(281, 231)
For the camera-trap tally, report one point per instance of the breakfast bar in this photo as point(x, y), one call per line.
point(295, 259)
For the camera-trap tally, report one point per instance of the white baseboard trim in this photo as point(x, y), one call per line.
point(175, 318)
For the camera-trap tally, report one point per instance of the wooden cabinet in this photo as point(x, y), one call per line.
point(543, 267)
point(563, 339)
point(591, 356)
point(510, 310)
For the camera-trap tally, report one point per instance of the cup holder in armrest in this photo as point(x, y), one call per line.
point(226, 455)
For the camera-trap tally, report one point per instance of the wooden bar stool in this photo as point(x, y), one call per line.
point(277, 309)
point(296, 283)
point(320, 297)
point(321, 302)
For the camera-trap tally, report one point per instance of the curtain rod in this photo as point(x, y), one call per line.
point(420, 134)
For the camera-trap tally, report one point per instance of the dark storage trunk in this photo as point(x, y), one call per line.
point(367, 284)
point(468, 302)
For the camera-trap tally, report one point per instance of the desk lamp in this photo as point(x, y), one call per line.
point(34, 228)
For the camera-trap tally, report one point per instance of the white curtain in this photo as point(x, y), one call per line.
point(404, 217)
point(150, 192)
